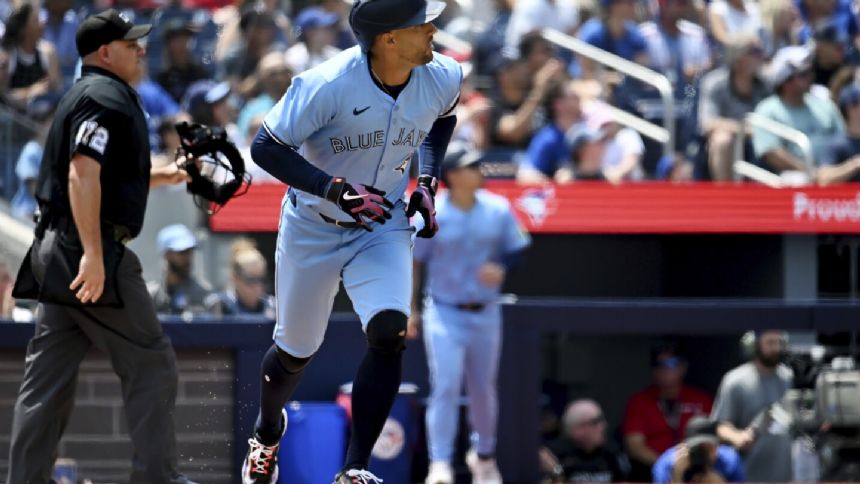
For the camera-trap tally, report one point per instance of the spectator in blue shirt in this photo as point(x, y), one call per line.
point(275, 78)
point(816, 12)
point(616, 32)
point(841, 162)
point(157, 103)
point(41, 110)
point(700, 458)
point(60, 23)
point(547, 151)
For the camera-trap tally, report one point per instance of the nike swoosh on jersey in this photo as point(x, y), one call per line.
point(347, 196)
point(356, 111)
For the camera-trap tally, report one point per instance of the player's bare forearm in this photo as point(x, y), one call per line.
point(85, 195)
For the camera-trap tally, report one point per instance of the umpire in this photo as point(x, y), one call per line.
point(92, 190)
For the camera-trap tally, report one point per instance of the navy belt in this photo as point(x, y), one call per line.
point(473, 307)
point(469, 307)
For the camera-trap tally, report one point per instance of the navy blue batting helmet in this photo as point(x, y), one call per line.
point(369, 18)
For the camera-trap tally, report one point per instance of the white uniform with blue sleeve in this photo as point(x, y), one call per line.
point(462, 317)
point(348, 127)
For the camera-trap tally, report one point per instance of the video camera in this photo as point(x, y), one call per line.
point(824, 392)
point(824, 407)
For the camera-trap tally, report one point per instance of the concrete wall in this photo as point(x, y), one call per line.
point(96, 436)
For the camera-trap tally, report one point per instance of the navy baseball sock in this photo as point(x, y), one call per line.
point(373, 392)
point(276, 387)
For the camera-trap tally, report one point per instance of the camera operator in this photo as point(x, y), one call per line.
point(699, 458)
point(744, 404)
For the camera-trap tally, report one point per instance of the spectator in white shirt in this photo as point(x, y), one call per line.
point(676, 47)
point(730, 18)
point(531, 15)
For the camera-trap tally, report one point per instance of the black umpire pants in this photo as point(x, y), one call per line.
point(142, 357)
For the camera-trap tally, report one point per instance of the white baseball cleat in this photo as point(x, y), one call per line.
point(356, 476)
point(261, 463)
point(440, 473)
point(484, 471)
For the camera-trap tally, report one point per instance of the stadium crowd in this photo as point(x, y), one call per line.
point(539, 110)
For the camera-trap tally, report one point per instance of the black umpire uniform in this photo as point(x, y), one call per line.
point(100, 117)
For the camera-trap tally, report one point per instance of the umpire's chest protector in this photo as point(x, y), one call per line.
point(347, 126)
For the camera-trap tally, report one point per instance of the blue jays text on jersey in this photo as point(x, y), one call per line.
point(346, 126)
point(375, 139)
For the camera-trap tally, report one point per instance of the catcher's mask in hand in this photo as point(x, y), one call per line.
point(213, 163)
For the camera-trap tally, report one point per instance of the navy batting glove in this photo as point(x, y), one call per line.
point(360, 202)
point(421, 201)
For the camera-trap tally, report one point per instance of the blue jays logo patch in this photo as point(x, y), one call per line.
point(403, 164)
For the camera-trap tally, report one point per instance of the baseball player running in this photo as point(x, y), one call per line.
point(343, 137)
point(478, 241)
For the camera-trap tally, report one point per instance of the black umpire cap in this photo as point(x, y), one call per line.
point(106, 27)
point(370, 18)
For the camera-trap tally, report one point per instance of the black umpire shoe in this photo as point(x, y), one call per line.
point(261, 463)
point(356, 476)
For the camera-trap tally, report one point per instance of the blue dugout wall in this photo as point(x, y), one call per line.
point(520, 373)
